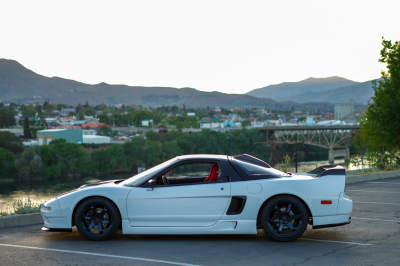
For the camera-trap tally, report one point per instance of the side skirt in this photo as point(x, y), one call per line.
point(221, 227)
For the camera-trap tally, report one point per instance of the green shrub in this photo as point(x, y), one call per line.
point(7, 163)
point(21, 206)
point(11, 142)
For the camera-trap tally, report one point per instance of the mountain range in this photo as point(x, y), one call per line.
point(21, 85)
point(332, 89)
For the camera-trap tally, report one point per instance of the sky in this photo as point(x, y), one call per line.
point(227, 46)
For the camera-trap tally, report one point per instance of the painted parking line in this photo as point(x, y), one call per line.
point(382, 183)
point(340, 242)
point(99, 255)
point(370, 191)
point(371, 219)
point(370, 202)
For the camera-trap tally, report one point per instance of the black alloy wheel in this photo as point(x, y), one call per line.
point(97, 219)
point(284, 218)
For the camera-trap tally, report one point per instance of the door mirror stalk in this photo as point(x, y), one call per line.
point(152, 182)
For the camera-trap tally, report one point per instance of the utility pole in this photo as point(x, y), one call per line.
point(128, 125)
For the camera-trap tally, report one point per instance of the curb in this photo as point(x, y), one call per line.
point(20, 220)
point(370, 177)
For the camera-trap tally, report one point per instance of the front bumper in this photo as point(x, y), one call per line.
point(52, 217)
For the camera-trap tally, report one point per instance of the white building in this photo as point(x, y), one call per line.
point(94, 139)
point(343, 109)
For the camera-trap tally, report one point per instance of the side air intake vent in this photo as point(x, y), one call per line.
point(237, 205)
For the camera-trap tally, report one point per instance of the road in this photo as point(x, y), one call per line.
point(371, 239)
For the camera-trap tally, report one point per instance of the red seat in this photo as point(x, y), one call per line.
point(213, 174)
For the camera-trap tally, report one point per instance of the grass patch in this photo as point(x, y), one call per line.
point(21, 206)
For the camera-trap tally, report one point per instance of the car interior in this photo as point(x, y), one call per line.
point(190, 173)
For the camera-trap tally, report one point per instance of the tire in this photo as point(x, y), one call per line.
point(94, 213)
point(284, 223)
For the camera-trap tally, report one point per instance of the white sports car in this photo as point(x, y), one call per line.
point(205, 194)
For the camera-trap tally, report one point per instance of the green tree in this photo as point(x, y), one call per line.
point(35, 130)
point(105, 130)
point(6, 117)
point(246, 123)
point(27, 128)
point(7, 163)
point(90, 112)
point(81, 115)
point(11, 142)
point(380, 126)
point(62, 158)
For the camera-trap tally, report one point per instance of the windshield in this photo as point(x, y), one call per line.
point(139, 178)
point(259, 172)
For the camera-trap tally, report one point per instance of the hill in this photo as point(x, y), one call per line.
point(361, 93)
point(21, 85)
point(288, 89)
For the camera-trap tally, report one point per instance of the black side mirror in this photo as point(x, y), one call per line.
point(152, 182)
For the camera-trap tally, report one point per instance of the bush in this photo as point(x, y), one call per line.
point(22, 206)
point(7, 163)
point(11, 142)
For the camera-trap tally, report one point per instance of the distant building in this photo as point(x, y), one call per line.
point(343, 109)
point(94, 125)
point(137, 108)
point(217, 110)
point(298, 114)
point(191, 114)
point(66, 111)
point(94, 139)
point(89, 132)
point(70, 135)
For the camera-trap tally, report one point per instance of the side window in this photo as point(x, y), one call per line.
point(196, 172)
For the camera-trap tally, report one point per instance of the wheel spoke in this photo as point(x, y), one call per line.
point(295, 217)
point(100, 228)
point(288, 208)
point(106, 221)
point(278, 210)
point(291, 227)
point(91, 225)
point(280, 228)
point(86, 217)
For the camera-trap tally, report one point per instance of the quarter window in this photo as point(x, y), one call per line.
point(254, 171)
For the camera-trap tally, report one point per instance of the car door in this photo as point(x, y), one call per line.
point(183, 205)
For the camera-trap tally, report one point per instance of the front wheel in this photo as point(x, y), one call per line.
point(97, 219)
point(284, 218)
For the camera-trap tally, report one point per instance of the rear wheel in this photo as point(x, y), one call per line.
point(284, 218)
point(97, 219)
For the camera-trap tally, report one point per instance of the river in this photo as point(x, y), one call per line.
point(45, 189)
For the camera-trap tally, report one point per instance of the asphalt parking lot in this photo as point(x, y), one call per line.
point(372, 238)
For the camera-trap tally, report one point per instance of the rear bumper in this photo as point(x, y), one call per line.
point(331, 225)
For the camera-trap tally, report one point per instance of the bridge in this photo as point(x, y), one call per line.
point(336, 139)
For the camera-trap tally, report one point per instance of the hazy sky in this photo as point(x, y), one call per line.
point(228, 46)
